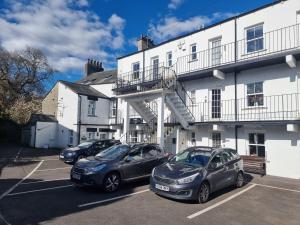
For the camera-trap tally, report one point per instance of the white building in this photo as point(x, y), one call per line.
point(233, 84)
point(82, 112)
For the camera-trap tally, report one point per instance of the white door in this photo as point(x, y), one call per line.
point(155, 67)
point(215, 49)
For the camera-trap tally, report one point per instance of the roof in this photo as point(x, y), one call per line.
point(208, 27)
point(104, 77)
point(42, 118)
point(83, 89)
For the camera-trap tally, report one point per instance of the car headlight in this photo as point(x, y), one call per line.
point(152, 174)
point(95, 169)
point(70, 153)
point(188, 179)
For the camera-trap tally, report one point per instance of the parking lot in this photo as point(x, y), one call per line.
point(35, 189)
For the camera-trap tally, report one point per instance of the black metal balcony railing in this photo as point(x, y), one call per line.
point(276, 107)
point(276, 41)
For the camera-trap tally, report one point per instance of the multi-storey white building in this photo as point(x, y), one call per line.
point(233, 84)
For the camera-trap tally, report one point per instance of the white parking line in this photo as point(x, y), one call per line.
point(112, 199)
point(38, 190)
point(61, 168)
point(28, 175)
point(279, 188)
point(42, 181)
point(221, 202)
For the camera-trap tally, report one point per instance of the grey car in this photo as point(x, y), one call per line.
point(197, 172)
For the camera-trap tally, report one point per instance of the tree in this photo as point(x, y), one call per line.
point(23, 75)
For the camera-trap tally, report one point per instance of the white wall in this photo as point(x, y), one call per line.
point(271, 17)
point(46, 133)
point(102, 111)
point(105, 89)
point(67, 115)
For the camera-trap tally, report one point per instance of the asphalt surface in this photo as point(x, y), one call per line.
point(47, 197)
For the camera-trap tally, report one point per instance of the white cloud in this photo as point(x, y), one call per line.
point(174, 4)
point(67, 34)
point(171, 26)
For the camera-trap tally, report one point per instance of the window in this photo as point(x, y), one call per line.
point(193, 52)
point(193, 138)
point(169, 59)
point(134, 137)
point(102, 136)
point(91, 135)
point(113, 108)
point(216, 103)
point(149, 152)
point(216, 140)
point(136, 70)
point(255, 95)
point(217, 160)
point(135, 154)
point(91, 108)
point(71, 137)
point(255, 38)
point(257, 144)
point(193, 97)
point(216, 51)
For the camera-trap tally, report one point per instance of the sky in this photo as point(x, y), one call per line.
point(71, 31)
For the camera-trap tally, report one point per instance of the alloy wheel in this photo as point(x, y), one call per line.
point(203, 193)
point(112, 182)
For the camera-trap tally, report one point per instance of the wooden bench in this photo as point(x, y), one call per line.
point(254, 164)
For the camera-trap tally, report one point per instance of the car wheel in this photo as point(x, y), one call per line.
point(111, 182)
point(239, 180)
point(203, 193)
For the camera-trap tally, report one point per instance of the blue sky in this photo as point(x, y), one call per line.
point(71, 31)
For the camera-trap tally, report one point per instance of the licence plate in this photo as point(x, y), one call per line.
point(76, 176)
point(161, 187)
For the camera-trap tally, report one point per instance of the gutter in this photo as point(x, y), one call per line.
point(79, 119)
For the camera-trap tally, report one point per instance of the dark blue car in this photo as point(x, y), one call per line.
point(89, 148)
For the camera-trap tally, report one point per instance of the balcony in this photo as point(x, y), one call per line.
point(270, 48)
point(270, 108)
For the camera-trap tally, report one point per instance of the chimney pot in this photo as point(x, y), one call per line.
point(144, 43)
point(92, 66)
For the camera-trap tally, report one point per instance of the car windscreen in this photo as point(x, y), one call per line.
point(113, 152)
point(85, 145)
point(194, 158)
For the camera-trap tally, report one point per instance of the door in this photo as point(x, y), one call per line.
point(152, 158)
point(155, 67)
point(133, 164)
point(71, 137)
point(215, 49)
point(216, 172)
point(230, 170)
point(216, 103)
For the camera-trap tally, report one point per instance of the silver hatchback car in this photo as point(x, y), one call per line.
point(197, 172)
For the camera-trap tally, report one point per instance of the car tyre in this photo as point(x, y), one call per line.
point(204, 191)
point(239, 180)
point(111, 182)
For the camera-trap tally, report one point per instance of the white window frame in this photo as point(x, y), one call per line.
point(255, 39)
point(91, 135)
point(169, 59)
point(193, 55)
point(256, 142)
point(134, 136)
point(136, 72)
point(255, 94)
point(91, 108)
point(216, 51)
point(113, 108)
point(216, 142)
